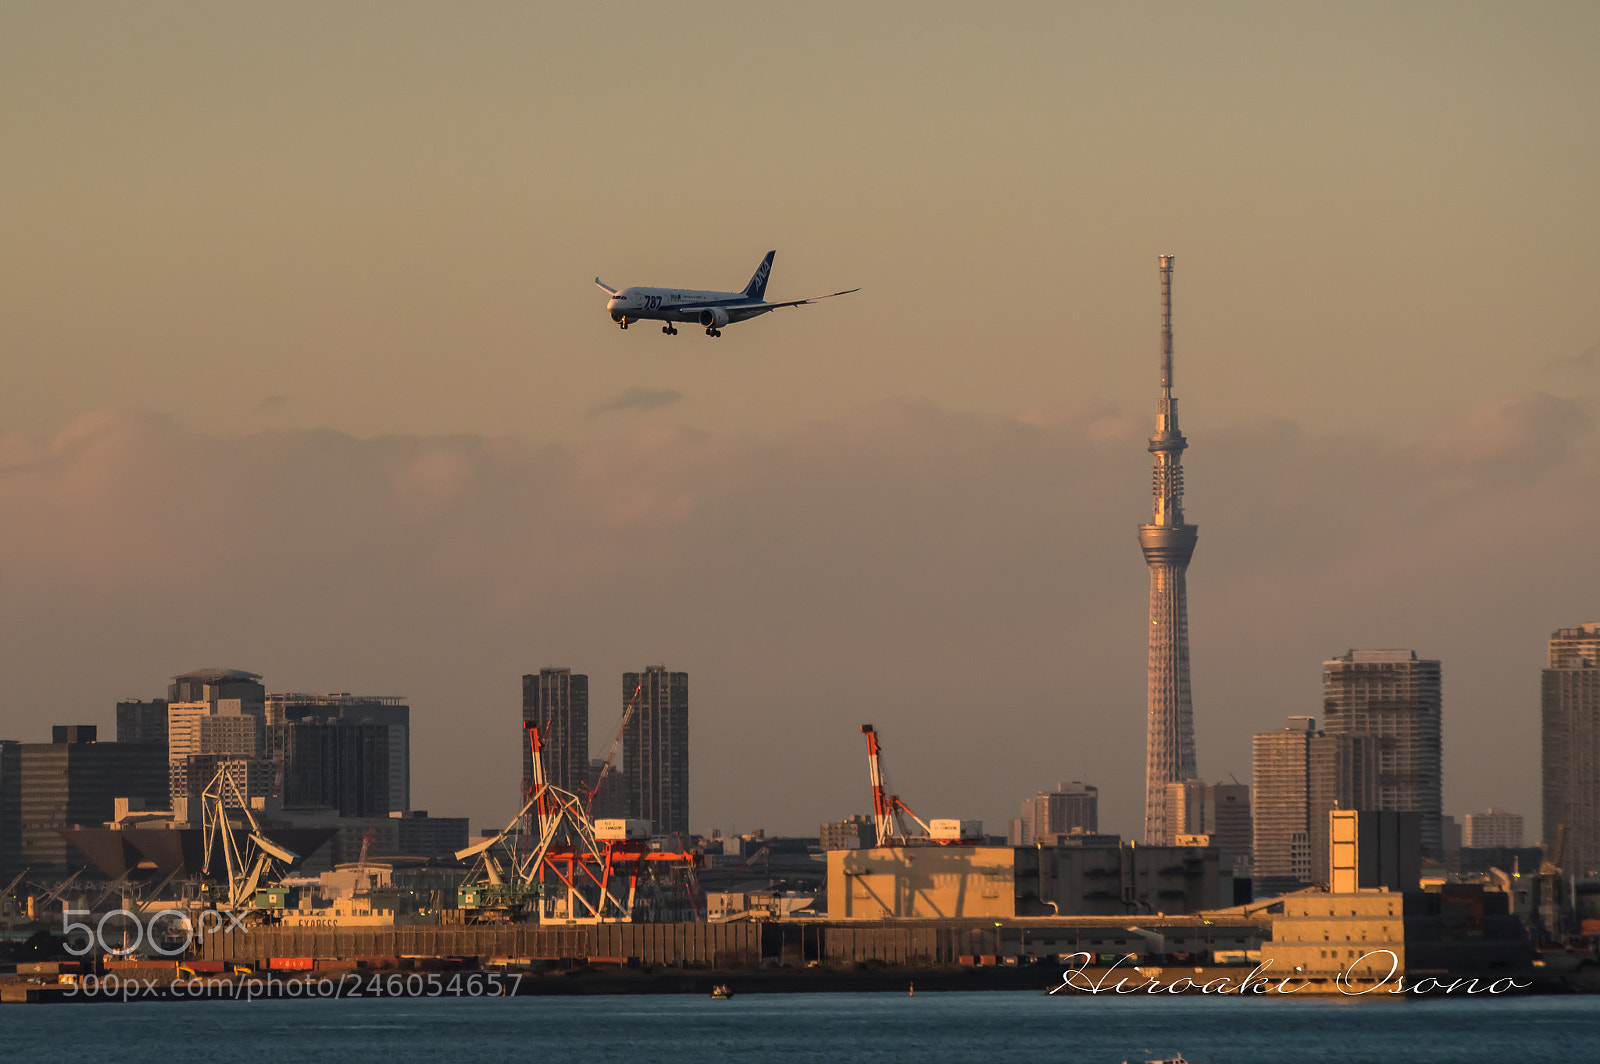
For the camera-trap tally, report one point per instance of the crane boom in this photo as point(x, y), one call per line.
point(886, 807)
point(616, 744)
point(6, 893)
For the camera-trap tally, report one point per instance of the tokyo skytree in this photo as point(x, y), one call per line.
point(1168, 543)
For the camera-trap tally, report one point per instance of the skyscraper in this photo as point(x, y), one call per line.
point(1168, 543)
point(656, 749)
point(214, 714)
point(558, 700)
point(1301, 775)
point(1569, 710)
point(1395, 697)
point(342, 750)
point(1282, 813)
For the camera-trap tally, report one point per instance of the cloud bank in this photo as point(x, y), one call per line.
point(970, 584)
point(636, 399)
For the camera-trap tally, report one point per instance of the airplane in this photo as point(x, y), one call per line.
point(712, 310)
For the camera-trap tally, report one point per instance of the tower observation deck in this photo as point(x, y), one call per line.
point(1168, 543)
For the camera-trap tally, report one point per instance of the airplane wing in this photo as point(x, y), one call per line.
point(762, 305)
point(605, 287)
point(812, 299)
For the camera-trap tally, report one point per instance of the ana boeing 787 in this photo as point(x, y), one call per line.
point(711, 310)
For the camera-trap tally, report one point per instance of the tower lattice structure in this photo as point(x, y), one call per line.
point(1168, 543)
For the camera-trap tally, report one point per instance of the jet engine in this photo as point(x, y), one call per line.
point(713, 317)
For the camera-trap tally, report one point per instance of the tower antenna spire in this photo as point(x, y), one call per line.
point(1166, 326)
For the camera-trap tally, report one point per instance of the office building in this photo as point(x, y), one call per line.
point(558, 701)
point(1494, 828)
point(10, 809)
point(351, 752)
point(1394, 697)
point(1071, 809)
point(421, 835)
point(208, 693)
point(67, 784)
point(213, 712)
point(854, 833)
point(1168, 544)
point(142, 723)
point(1569, 710)
point(253, 780)
point(656, 750)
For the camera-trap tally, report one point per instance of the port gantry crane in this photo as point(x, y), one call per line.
point(887, 808)
point(247, 864)
point(585, 863)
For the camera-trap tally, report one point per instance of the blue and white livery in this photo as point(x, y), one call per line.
point(710, 310)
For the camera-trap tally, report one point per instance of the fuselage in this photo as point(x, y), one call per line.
point(661, 304)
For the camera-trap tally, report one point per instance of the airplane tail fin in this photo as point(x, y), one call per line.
point(757, 288)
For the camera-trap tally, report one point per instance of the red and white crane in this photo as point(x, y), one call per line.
point(886, 807)
point(576, 870)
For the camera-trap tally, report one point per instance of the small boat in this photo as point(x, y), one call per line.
point(720, 992)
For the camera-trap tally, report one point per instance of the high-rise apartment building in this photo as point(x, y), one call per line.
point(1168, 544)
point(1569, 711)
point(351, 752)
point(558, 701)
point(656, 748)
point(1394, 697)
point(1301, 775)
point(1071, 809)
point(1282, 814)
point(1494, 828)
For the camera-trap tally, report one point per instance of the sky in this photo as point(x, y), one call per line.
point(303, 372)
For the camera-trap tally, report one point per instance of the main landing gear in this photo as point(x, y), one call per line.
point(669, 330)
point(713, 332)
